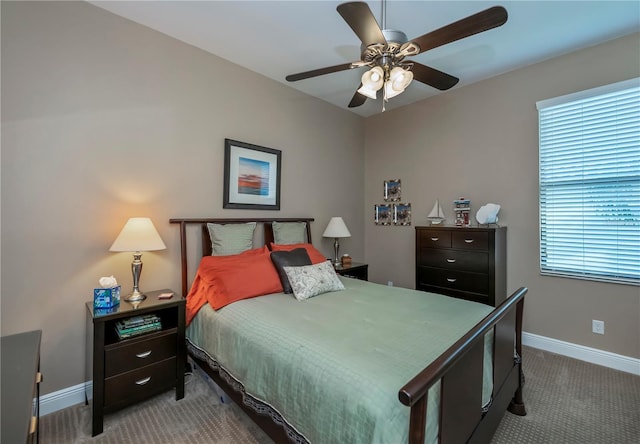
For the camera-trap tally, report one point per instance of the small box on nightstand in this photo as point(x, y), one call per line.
point(106, 297)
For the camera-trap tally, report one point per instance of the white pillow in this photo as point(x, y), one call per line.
point(231, 239)
point(308, 281)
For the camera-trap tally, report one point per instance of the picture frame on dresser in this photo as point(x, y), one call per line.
point(251, 176)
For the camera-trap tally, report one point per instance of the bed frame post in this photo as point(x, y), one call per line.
point(183, 256)
point(517, 403)
point(418, 421)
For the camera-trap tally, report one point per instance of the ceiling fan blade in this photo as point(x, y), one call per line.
point(360, 18)
point(433, 77)
point(319, 72)
point(474, 24)
point(357, 99)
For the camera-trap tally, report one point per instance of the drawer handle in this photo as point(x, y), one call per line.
point(143, 354)
point(38, 378)
point(469, 241)
point(451, 261)
point(451, 280)
point(144, 380)
point(435, 239)
point(33, 425)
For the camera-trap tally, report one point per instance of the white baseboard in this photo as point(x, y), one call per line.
point(52, 402)
point(588, 354)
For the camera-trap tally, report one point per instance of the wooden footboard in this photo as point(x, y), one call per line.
point(461, 420)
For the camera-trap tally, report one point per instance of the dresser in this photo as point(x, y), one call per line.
point(128, 370)
point(464, 262)
point(21, 379)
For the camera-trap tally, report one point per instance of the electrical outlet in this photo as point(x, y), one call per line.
point(597, 327)
point(390, 283)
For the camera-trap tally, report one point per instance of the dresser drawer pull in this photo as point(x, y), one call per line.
point(435, 239)
point(144, 380)
point(143, 354)
point(469, 241)
point(33, 425)
point(451, 280)
point(451, 261)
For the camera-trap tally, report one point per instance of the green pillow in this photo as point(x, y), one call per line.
point(287, 233)
point(230, 239)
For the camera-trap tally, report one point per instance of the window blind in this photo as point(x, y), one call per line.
point(589, 177)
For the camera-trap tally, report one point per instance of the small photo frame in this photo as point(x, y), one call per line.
point(392, 190)
point(383, 214)
point(402, 214)
point(251, 176)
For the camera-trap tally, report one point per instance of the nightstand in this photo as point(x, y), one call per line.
point(125, 371)
point(356, 270)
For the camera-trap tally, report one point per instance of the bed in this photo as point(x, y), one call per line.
point(338, 370)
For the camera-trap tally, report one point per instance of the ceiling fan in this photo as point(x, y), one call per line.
point(385, 50)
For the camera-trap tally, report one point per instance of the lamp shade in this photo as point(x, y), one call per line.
point(336, 228)
point(138, 234)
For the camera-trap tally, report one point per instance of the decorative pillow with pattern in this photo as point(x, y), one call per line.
point(311, 280)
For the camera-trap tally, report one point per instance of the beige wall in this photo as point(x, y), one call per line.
point(103, 119)
point(481, 142)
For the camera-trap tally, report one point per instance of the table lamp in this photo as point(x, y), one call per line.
point(138, 235)
point(336, 229)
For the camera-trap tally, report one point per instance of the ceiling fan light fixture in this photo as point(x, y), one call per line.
point(374, 78)
point(372, 81)
point(398, 81)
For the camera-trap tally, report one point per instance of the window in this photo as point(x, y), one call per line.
point(590, 184)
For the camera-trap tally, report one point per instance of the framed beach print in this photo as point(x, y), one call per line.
point(383, 214)
point(402, 214)
point(392, 190)
point(251, 176)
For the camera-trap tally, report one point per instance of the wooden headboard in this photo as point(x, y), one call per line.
point(206, 240)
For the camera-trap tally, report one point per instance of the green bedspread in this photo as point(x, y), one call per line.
point(332, 365)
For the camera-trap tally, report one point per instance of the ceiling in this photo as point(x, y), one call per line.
point(277, 38)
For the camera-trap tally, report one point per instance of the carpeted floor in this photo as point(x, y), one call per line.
point(568, 401)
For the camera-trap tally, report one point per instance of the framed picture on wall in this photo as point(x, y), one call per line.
point(383, 214)
point(402, 214)
point(392, 190)
point(251, 176)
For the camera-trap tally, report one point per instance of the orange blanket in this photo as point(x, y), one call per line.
point(221, 280)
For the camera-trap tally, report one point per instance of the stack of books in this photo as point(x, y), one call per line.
point(137, 325)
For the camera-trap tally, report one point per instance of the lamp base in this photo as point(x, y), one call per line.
point(136, 296)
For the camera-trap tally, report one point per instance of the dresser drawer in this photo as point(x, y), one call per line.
point(139, 383)
point(470, 240)
point(435, 239)
point(139, 352)
point(457, 280)
point(474, 261)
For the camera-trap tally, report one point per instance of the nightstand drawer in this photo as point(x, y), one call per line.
point(435, 239)
point(139, 352)
point(473, 261)
point(140, 383)
point(469, 240)
point(457, 280)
